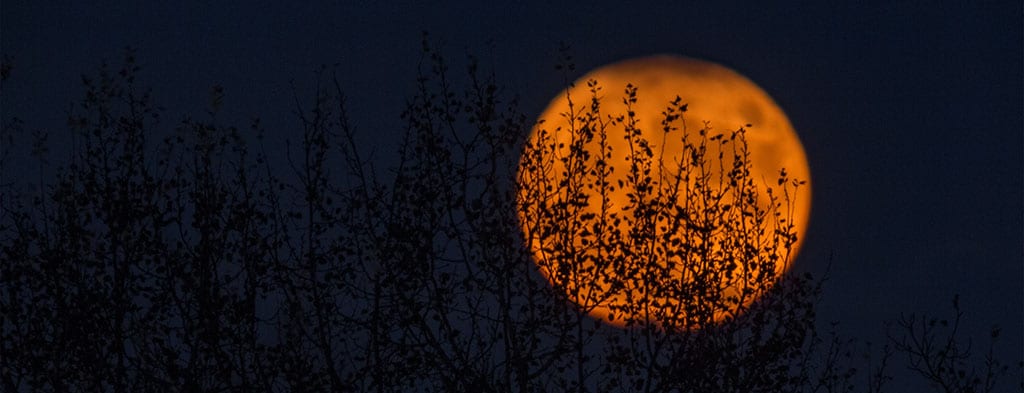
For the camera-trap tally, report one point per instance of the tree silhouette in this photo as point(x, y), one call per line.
point(943, 359)
point(182, 258)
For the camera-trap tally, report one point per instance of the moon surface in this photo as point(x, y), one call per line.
point(717, 99)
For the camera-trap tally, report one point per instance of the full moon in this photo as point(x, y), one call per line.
point(607, 238)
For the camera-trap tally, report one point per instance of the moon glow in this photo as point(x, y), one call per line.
point(717, 100)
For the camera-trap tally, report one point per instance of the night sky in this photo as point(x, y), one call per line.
point(910, 114)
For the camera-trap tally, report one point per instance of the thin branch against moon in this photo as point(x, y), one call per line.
point(642, 193)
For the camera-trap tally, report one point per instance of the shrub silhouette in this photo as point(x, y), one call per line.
point(184, 259)
point(695, 213)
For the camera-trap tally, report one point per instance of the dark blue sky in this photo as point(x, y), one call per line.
point(910, 112)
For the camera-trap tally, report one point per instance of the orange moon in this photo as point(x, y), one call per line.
point(716, 97)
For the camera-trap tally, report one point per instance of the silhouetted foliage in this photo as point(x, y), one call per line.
point(942, 358)
point(182, 258)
